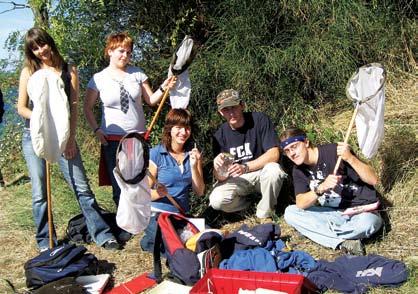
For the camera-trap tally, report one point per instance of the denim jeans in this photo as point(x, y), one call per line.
point(148, 240)
point(328, 227)
point(110, 158)
point(74, 174)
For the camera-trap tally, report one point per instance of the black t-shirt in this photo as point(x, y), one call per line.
point(351, 192)
point(249, 142)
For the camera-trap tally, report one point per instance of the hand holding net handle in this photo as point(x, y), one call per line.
point(170, 198)
point(347, 135)
point(157, 113)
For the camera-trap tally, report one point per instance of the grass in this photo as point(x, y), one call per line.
point(396, 164)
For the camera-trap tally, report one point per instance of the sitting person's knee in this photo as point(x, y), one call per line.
point(215, 203)
point(216, 200)
point(273, 171)
point(370, 223)
point(290, 213)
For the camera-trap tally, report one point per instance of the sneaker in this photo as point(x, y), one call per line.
point(353, 247)
point(124, 236)
point(112, 244)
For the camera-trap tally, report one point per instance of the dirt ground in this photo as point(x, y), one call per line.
point(399, 240)
point(17, 246)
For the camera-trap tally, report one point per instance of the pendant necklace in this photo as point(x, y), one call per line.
point(178, 157)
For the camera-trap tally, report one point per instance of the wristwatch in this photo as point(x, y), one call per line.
point(246, 168)
point(317, 192)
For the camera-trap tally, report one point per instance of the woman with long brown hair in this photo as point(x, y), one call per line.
point(178, 168)
point(41, 53)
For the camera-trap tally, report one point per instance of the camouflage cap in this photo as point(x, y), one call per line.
point(228, 98)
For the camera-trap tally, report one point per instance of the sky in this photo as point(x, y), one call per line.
point(10, 21)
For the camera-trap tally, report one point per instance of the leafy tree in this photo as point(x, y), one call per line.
point(285, 57)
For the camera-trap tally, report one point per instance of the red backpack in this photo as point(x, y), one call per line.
point(186, 266)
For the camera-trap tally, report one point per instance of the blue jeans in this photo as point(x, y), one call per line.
point(328, 227)
point(110, 158)
point(148, 240)
point(74, 174)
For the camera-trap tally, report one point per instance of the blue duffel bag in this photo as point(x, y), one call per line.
point(67, 260)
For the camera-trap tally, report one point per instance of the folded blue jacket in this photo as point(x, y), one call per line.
point(257, 259)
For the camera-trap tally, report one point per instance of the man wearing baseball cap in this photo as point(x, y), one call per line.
point(250, 140)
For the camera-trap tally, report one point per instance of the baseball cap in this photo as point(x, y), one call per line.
point(228, 98)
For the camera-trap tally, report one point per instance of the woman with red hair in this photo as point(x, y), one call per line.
point(121, 89)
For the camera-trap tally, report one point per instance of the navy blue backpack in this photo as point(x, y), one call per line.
point(67, 260)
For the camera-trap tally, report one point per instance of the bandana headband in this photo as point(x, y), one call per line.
point(291, 140)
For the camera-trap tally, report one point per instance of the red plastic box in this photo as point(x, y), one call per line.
point(218, 281)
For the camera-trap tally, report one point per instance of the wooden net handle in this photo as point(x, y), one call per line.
point(347, 135)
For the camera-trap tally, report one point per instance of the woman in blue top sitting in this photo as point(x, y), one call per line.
point(178, 169)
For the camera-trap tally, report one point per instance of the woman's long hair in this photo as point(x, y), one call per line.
point(39, 37)
point(175, 117)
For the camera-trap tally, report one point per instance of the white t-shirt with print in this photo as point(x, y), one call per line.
point(114, 120)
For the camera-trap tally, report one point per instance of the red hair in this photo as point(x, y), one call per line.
point(118, 39)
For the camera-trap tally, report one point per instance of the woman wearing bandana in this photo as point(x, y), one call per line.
point(334, 210)
point(121, 88)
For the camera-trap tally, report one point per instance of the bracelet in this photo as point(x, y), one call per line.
point(317, 192)
point(161, 89)
point(96, 129)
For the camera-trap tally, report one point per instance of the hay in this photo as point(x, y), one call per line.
point(396, 164)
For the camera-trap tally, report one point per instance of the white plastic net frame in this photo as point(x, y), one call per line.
point(179, 95)
point(132, 158)
point(183, 56)
point(366, 89)
point(366, 83)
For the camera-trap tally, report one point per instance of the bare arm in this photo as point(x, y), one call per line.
point(157, 190)
point(365, 171)
point(152, 98)
point(71, 147)
point(271, 155)
point(74, 97)
point(89, 102)
point(218, 161)
point(23, 98)
point(306, 200)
